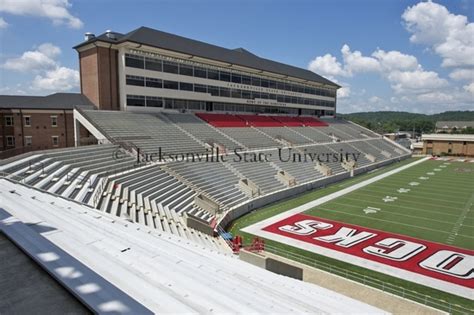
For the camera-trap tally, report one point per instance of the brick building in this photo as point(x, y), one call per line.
point(38, 122)
point(447, 144)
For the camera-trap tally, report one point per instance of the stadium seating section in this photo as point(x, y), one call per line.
point(163, 195)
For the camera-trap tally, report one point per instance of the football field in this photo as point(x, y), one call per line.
point(426, 202)
point(432, 201)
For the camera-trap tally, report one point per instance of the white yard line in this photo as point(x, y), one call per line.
point(460, 220)
point(259, 225)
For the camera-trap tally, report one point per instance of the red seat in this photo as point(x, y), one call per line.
point(222, 120)
point(261, 121)
point(313, 122)
point(289, 121)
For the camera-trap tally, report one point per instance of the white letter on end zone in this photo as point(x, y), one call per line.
point(346, 237)
point(451, 263)
point(305, 227)
point(395, 249)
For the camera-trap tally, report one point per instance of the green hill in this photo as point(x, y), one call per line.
point(388, 121)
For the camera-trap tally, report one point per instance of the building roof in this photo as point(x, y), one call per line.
point(238, 56)
point(53, 101)
point(448, 137)
point(115, 266)
point(451, 124)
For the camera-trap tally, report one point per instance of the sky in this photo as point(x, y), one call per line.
point(415, 56)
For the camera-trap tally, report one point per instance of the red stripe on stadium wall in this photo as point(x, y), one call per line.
point(439, 261)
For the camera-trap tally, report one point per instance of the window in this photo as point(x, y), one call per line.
point(224, 92)
point(236, 78)
point(54, 121)
point(155, 83)
point(152, 101)
point(185, 86)
point(246, 80)
point(236, 93)
point(8, 120)
point(272, 96)
point(134, 61)
point(280, 86)
point(255, 95)
point(200, 72)
point(281, 98)
point(134, 80)
point(272, 84)
point(255, 81)
point(28, 141)
point(55, 140)
point(153, 64)
point(186, 70)
point(170, 67)
point(264, 83)
point(214, 90)
point(246, 94)
point(224, 76)
point(212, 74)
point(27, 121)
point(173, 85)
point(10, 141)
point(135, 100)
point(264, 96)
point(200, 88)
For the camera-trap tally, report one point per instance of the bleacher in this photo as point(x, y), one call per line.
point(147, 132)
point(162, 196)
point(117, 267)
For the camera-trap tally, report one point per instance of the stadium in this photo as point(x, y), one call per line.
point(211, 180)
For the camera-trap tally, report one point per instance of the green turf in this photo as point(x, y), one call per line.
point(279, 207)
point(438, 209)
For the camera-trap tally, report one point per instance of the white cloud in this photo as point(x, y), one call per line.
point(59, 79)
point(469, 88)
point(374, 99)
point(417, 81)
point(55, 10)
point(395, 60)
point(35, 60)
point(344, 92)
point(327, 65)
point(355, 62)
point(49, 74)
point(462, 74)
point(3, 23)
point(450, 36)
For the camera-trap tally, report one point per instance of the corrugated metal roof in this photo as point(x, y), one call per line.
point(53, 101)
point(239, 56)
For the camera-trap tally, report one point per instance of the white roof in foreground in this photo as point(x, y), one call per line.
point(115, 266)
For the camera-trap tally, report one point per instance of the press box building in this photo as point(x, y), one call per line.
point(147, 68)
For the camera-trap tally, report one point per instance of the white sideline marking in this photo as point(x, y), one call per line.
point(259, 225)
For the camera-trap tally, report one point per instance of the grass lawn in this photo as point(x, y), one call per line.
point(444, 200)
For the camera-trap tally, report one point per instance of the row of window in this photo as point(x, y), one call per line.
point(223, 92)
point(29, 141)
point(168, 103)
point(9, 121)
point(154, 64)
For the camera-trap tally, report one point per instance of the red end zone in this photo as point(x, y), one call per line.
point(442, 262)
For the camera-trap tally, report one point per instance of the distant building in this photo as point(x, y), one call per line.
point(30, 123)
point(449, 126)
point(447, 144)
